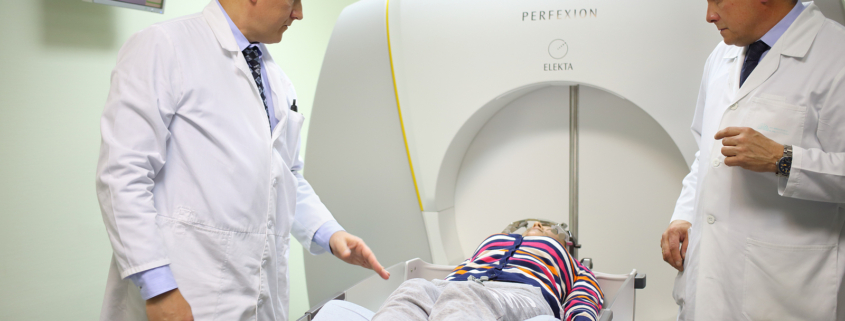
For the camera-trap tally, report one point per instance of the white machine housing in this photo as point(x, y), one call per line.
point(437, 122)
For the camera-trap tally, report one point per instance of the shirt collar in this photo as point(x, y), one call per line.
point(243, 43)
point(771, 37)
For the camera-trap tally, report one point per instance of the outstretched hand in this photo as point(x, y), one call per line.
point(352, 249)
point(749, 149)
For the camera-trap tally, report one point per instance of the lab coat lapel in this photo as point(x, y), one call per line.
point(793, 43)
point(278, 91)
point(764, 70)
point(796, 42)
point(240, 62)
point(733, 58)
point(218, 24)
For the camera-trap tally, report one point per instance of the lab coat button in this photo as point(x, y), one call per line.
point(711, 219)
point(717, 163)
point(263, 262)
point(270, 224)
point(734, 106)
point(260, 301)
point(275, 182)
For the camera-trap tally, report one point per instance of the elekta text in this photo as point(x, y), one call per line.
point(557, 66)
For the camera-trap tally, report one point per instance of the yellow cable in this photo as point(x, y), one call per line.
point(398, 107)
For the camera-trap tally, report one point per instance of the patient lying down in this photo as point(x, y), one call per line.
point(509, 277)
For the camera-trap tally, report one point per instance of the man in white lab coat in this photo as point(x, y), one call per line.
point(199, 173)
point(758, 229)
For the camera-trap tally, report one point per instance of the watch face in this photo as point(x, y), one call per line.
point(784, 165)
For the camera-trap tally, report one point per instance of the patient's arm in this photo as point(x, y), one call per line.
point(585, 300)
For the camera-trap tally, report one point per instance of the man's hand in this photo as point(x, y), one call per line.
point(169, 306)
point(747, 148)
point(351, 249)
point(675, 235)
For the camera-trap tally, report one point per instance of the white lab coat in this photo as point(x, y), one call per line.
point(763, 247)
point(189, 174)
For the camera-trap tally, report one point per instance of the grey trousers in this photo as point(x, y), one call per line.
point(437, 300)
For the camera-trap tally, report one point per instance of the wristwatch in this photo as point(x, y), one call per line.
point(784, 165)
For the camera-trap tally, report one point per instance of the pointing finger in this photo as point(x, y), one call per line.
point(376, 266)
point(368, 260)
point(728, 132)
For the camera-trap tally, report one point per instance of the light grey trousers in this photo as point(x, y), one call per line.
point(418, 299)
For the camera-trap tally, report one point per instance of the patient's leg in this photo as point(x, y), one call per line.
point(467, 300)
point(343, 310)
point(412, 301)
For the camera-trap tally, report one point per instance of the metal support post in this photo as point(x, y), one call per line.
point(573, 166)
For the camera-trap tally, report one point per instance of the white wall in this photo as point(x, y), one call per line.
point(55, 63)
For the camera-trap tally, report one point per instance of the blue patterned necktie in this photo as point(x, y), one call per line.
point(253, 55)
point(752, 58)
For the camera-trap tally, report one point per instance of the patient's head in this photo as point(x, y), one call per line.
point(538, 229)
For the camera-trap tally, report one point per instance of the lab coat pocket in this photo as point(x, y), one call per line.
point(776, 119)
point(291, 139)
point(784, 282)
point(295, 121)
point(197, 254)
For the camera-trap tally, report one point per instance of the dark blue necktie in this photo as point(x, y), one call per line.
point(752, 58)
point(253, 55)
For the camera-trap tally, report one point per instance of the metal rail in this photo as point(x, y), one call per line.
point(573, 164)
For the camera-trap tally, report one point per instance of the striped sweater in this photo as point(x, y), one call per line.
point(540, 261)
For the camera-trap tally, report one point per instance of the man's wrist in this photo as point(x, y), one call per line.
point(338, 234)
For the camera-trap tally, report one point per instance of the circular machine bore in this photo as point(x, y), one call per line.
point(630, 177)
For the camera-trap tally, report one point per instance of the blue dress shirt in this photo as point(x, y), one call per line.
point(158, 280)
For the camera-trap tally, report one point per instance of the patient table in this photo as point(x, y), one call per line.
point(370, 293)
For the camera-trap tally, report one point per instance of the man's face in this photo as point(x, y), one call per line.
point(738, 21)
point(538, 229)
point(271, 18)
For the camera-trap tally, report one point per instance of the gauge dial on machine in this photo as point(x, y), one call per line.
point(558, 49)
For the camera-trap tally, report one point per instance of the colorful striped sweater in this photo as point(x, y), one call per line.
point(540, 261)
